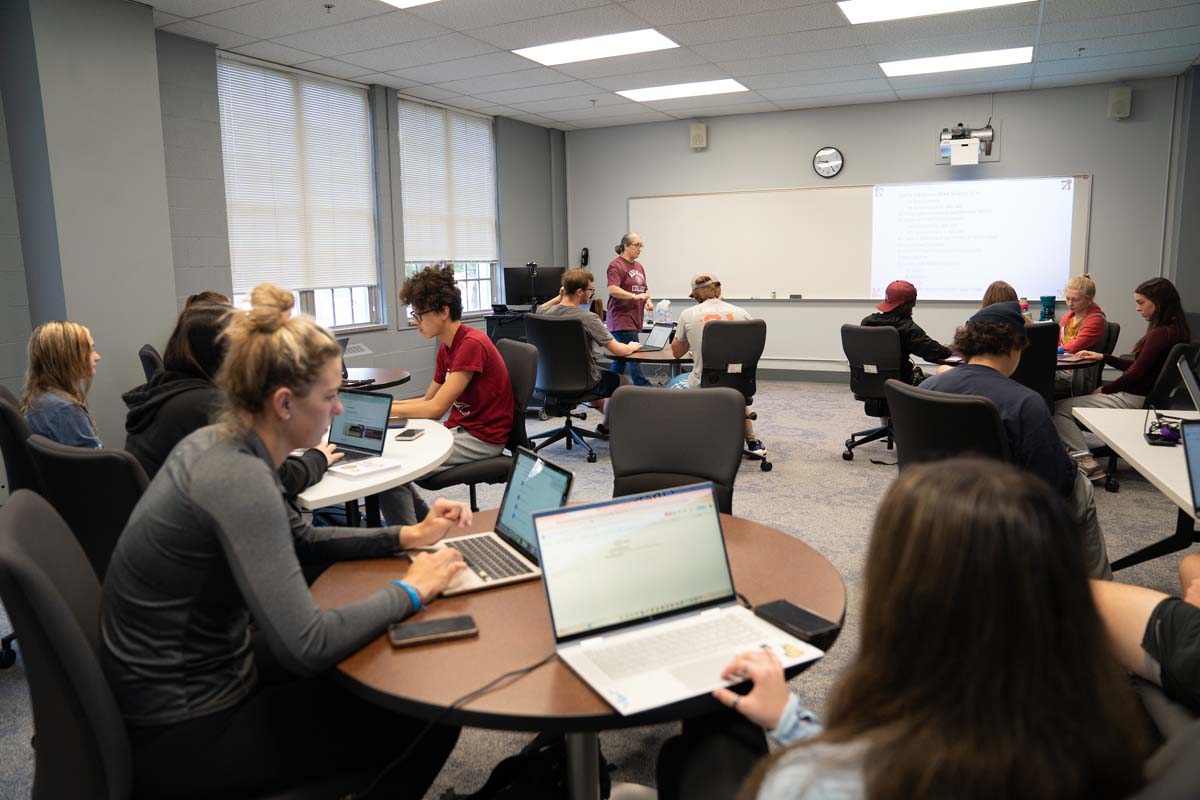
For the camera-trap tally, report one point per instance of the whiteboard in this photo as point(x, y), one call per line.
point(813, 241)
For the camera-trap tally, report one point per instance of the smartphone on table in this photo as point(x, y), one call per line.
point(408, 434)
point(403, 634)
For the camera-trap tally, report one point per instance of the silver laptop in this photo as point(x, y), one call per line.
point(360, 431)
point(1189, 380)
point(1191, 453)
point(509, 554)
point(659, 336)
point(642, 600)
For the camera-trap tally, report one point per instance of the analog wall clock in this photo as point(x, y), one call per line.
point(828, 162)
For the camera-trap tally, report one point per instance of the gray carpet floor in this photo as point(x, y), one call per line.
point(811, 494)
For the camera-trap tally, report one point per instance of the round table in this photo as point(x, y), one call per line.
point(664, 356)
point(515, 632)
point(380, 378)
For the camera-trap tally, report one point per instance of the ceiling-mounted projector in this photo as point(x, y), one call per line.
point(964, 145)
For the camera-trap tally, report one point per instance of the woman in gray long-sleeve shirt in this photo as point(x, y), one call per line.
point(212, 545)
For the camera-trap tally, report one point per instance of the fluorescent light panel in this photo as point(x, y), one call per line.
point(958, 61)
point(860, 11)
point(652, 93)
point(408, 3)
point(593, 47)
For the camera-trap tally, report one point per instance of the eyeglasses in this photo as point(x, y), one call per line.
point(638, 245)
point(415, 316)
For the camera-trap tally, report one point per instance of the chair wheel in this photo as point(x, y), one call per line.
point(591, 457)
point(7, 658)
point(766, 466)
point(1111, 484)
point(848, 455)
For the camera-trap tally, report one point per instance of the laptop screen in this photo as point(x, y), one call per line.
point(1189, 380)
point(535, 485)
point(659, 335)
point(362, 425)
point(1191, 451)
point(632, 559)
point(343, 343)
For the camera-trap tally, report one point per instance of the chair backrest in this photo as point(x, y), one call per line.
point(874, 356)
point(522, 362)
point(1168, 391)
point(731, 350)
point(564, 355)
point(1193, 321)
point(931, 426)
point(53, 598)
point(93, 489)
point(1173, 771)
point(1084, 380)
point(152, 362)
point(14, 434)
point(1039, 359)
point(662, 439)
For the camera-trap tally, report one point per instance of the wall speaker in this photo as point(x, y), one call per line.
point(698, 136)
point(1120, 102)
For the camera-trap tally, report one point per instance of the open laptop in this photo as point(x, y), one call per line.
point(1189, 380)
point(343, 343)
point(360, 431)
point(660, 336)
point(1191, 454)
point(509, 554)
point(642, 600)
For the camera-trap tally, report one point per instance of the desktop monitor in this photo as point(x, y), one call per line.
point(519, 289)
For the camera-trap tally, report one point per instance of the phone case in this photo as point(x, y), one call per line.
point(404, 634)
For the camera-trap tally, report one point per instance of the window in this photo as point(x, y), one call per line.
point(448, 191)
point(299, 192)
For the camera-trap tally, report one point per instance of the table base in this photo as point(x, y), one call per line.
point(583, 766)
point(1184, 537)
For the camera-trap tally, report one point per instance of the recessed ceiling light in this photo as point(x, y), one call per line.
point(985, 58)
point(652, 93)
point(860, 11)
point(607, 46)
point(408, 3)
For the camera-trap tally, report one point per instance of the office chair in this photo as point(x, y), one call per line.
point(660, 440)
point(93, 490)
point(563, 376)
point(874, 358)
point(152, 362)
point(1085, 379)
point(730, 358)
point(1037, 365)
point(521, 360)
point(931, 426)
point(1193, 321)
point(14, 433)
point(1173, 771)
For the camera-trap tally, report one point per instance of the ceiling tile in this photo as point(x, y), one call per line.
point(560, 27)
point(948, 45)
point(462, 15)
point(963, 77)
point(743, 26)
point(625, 65)
point(808, 77)
point(578, 116)
point(534, 119)
point(195, 8)
point(364, 34)
point(919, 93)
point(161, 18)
point(458, 69)
point(1024, 15)
point(702, 112)
point(841, 100)
point(672, 12)
point(470, 103)
point(1143, 58)
point(1157, 40)
point(604, 102)
point(423, 51)
point(384, 79)
point(208, 33)
point(547, 92)
point(1070, 10)
point(633, 119)
point(665, 77)
point(539, 76)
point(876, 86)
point(430, 93)
point(1110, 76)
point(684, 103)
point(782, 44)
point(268, 19)
point(1122, 24)
point(817, 59)
point(275, 53)
point(497, 111)
point(334, 68)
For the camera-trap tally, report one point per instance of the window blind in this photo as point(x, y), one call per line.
point(448, 185)
point(298, 179)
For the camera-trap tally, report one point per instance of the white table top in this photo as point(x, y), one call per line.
point(417, 458)
point(1165, 467)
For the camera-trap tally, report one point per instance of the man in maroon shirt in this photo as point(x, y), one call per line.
point(628, 299)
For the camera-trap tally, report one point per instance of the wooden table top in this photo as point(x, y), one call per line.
point(384, 378)
point(515, 632)
point(664, 356)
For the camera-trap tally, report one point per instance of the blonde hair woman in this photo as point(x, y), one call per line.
point(62, 363)
point(1082, 327)
point(212, 545)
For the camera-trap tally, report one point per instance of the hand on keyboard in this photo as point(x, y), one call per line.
point(430, 573)
point(765, 703)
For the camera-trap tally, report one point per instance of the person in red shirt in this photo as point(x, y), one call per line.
point(1083, 326)
point(628, 300)
point(470, 382)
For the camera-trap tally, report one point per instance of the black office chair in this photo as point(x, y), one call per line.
point(1193, 321)
point(874, 357)
point(730, 358)
point(152, 362)
point(1085, 379)
point(931, 426)
point(521, 360)
point(93, 489)
point(14, 433)
point(1173, 771)
point(563, 377)
point(1037, 365)
point(661, 439)
point(52, 594)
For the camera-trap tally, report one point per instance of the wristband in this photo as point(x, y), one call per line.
point(412, 595)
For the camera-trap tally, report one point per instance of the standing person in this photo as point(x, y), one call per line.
point(216, 707)
point(896, 311)
point(62, 365)
point(628, 300)
point(1082, 327)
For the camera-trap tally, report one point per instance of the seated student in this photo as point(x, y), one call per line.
point(1159, 304)
point(207, 296)
point(982, 669)
point(216, 707)
point(689, 335)
point(1155, 636)
point(62, 364)
point(998, 292)
point(597, 308)
point(896, 312)
point(470, 381)
point(1082, 327)
point(578, 287)
point(992, 342)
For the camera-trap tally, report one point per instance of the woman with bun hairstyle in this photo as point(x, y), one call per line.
point(62, 364)
point(214, 706)
point(628, 300)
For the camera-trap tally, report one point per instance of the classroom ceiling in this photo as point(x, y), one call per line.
point(790, 53)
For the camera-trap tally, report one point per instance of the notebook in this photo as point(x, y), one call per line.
point(642, 601)
point(659, 336)
point(509, 554)
point(360, 432)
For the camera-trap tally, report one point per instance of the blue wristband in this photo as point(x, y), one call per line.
point(412, 595)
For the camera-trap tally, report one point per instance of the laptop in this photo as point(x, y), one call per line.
point(660, 336)
point(1191, 454)
point(360, 431)
point(642, 601)
point(509, 554)
point(1189, 380)
point(344, 342)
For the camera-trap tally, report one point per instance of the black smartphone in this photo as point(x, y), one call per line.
point(799, 622)
point(404, 634)
point(408, 434)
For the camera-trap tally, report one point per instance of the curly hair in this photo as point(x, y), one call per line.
point(433, 289)
point(988, 339)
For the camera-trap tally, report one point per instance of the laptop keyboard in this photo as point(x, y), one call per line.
point(488, 559)
point(675, 646)
point(349, 455)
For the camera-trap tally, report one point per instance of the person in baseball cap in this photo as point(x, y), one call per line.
point(896, 312)
point(898, 293)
